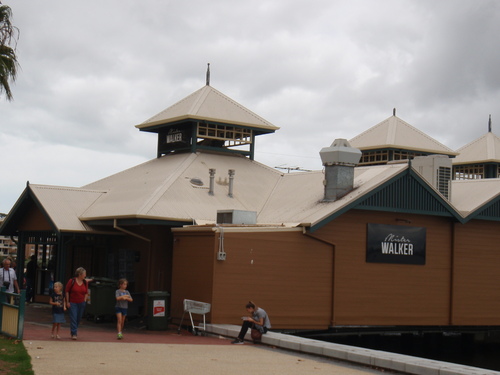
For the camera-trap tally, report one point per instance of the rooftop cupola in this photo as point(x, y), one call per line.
point(207, 120)
point(339, 161)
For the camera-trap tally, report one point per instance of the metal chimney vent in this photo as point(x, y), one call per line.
point(339, 161)
point(340, 153)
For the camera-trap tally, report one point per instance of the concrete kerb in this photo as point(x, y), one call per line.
point(390, 361)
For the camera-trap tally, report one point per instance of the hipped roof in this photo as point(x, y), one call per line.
point(174, 188)
point(394, 133)
point(163, 190)
point(208, 104)
point(470, 195)
point(485, 149)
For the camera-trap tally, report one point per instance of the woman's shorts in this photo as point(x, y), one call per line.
point(121, 310)
point(58, 318)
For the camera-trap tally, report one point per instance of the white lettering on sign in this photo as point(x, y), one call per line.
point(397, 248)
point(394, 238)
point(158, 308)
point(174, 137)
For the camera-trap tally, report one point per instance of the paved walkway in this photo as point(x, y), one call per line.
point(152, 352)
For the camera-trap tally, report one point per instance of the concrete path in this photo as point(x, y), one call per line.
point(97, 350)
point(58, 357)
point(154, 352)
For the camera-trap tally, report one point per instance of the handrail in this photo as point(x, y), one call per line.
point(12, 308)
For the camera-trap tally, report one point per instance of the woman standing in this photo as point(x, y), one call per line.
point(76, 294)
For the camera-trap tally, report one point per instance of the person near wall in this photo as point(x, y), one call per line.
point(258, 321)
point(8, 278)
point(77, 290)
point(30, 279)
point(123, 297)
point(58, 308)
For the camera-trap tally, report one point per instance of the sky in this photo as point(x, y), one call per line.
point(318, 69)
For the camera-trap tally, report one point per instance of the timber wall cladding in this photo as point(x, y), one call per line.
point(34, 220)
point(192, 271)
point(286, 273)
point(476, 293)
point(389, 294)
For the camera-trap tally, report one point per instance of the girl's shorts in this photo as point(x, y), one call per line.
point(121, 310)
point(58, 318)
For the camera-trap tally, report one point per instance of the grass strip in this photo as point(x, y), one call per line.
point(14, 358)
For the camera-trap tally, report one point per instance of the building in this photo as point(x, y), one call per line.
point(8, 245)
point(391, 241)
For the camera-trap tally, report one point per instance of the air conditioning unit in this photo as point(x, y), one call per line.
point(236, 217)
point(437, 170)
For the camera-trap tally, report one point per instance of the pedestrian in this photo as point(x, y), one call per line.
point(30, 279)
point(8, 278)
point(76, 294)
point(123, 297)
point(58, 308)
point(257, 320)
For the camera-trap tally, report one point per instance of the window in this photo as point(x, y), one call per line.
point(232, 135)
point(469, 172)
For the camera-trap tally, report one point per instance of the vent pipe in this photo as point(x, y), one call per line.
point(231, 182)
point(211, 171)
point(339, 161)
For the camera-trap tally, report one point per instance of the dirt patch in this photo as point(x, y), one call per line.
point(7, 368)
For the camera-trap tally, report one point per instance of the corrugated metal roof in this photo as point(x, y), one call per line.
point(396, 133)
point(469, 195)
point(482, 150)
point(298, 196)
point(162, 188)
point(64, 205)
point(209, 104)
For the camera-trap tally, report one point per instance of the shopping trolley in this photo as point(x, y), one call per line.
point(195, 307)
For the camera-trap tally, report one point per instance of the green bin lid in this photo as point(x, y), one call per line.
point(158, 293)
point(104, 280)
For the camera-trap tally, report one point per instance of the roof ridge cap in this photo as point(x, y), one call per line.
point(472, 142)
point(158, 193)
point(423, 134)
point(243, 108)
point(72, 188)
point(202, 96)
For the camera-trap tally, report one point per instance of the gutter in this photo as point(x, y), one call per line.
point(115, 226)
point(150, 250)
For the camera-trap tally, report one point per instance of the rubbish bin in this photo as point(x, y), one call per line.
point(102, 301)
point(157, 310)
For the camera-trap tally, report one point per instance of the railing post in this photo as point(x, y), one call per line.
point(2, 299)
point(22, 307)
point(12, 310)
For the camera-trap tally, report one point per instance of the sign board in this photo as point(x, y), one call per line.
point(174, 138)
point(395, 244)
point(158, 308)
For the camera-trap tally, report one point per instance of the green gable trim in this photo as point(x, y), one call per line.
point(406, 193)
point(490, 211)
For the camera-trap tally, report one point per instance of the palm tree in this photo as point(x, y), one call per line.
point(8, 58)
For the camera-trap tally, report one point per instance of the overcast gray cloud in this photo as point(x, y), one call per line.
point(320, 70)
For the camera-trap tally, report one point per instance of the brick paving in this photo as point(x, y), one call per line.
point(38, 325)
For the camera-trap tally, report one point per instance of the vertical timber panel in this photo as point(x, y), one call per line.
point(389, 294)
